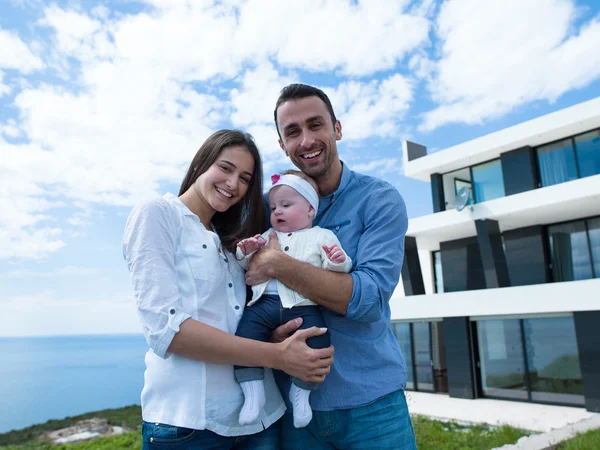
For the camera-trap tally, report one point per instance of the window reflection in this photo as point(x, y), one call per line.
point(423, 362)
point(437, 270)
point(587, 146)
point(501, 358)
point(488, 183)
point(553, 360)
point(557, 163)
point(402, 333)
point(594, 235)
point(570, 252)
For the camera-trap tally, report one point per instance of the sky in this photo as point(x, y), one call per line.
point(104, 104)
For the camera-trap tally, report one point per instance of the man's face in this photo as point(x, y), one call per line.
point(308, 135)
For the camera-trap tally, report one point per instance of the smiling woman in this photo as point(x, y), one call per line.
point(191, 293)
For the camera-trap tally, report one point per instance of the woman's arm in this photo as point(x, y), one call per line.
point(196, 340)
point(149, 246)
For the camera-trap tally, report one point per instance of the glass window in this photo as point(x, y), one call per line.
point(423, 362)
point(570, 252)
point(402, 333)
point(553, 360)
point(594, 234)
point(557, 163)
point(501, 358)
point(488, 183)
point(437, 271)
point(587, 147)
point(452, 182)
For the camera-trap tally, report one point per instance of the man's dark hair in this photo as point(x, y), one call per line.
point(296, 91)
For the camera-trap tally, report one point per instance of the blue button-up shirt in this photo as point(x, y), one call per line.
point(369, 218)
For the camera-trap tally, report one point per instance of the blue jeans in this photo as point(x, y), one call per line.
point(168, 437)
point(383, 425)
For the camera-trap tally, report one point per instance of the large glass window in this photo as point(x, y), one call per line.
point(553, 360)
point(532, 359)
point(423, 362)
point(488, 183)
point(402, 333)
point(501, 358)
point(587, 146)
point(452, 183)
point(594, 235)
point(437, 271)
point(570, 252)
point(557, 163)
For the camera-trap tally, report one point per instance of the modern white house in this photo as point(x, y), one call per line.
point(500, 292)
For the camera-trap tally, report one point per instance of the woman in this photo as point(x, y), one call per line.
point(190, 295)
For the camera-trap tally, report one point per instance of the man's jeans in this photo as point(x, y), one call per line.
point(383, 425)
point(169, 437)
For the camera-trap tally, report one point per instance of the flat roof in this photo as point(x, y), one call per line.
point(541, 130)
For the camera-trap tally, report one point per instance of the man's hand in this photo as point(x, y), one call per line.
point(299, 360)
point(335, 253)
point(262, 264)
point(250, 245)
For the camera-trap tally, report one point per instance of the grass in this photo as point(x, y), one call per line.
point(431, 434)
point(129, 417)
point(585, 441)
point(436, 435)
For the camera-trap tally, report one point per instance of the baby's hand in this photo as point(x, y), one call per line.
point(251, 245)
point(335, 254)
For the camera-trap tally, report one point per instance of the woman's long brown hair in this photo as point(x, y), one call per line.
point(245, 218)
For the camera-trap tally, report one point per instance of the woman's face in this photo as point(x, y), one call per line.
point(227, 180)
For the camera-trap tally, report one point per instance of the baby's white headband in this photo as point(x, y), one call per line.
point(299, 184)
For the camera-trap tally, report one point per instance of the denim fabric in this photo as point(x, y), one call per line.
point(169, 437)
point(383, 425)
point(267, 314)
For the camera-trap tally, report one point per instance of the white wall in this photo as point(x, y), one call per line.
point(561, 202)
point(535, 299)
point(551, 127)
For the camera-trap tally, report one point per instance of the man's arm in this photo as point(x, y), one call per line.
point(332, 290)
point(363, 294)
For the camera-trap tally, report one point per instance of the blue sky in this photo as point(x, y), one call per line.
point(103, 104)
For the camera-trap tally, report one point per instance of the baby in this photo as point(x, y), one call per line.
point(294, 202)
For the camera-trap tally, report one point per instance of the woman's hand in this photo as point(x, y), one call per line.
point(299, 360)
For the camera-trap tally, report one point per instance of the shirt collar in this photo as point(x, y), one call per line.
point(343, 182)
point(173, 200)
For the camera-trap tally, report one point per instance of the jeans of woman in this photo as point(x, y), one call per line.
point(168, 437)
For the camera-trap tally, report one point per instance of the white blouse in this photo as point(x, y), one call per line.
point(180, 271)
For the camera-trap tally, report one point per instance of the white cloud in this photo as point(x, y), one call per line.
point(355, 38)
point(499, 55)
point(4, 88)
point(380, 166)
point(14, 54)
point(375, 108)
point(135, 106)
point(45, 314)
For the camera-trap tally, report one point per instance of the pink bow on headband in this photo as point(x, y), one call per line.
point(275, 178)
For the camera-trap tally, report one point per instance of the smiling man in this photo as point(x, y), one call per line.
point(361, 404)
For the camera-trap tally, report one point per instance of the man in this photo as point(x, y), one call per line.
point(361, 404)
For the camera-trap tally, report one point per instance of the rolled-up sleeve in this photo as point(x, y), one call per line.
point(379, 255)
point(149, 249)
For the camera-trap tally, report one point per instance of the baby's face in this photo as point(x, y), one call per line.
point(290, 211)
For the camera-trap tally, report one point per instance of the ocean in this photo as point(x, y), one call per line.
point(44, 378)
